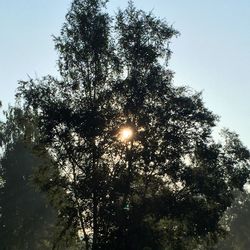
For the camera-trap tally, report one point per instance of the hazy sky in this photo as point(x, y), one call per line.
point(211, 55)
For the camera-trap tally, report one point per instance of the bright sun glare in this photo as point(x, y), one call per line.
point(126, 134)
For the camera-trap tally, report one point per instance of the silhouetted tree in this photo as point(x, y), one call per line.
point(135, 154)
point(238, 224)
point(26, 219)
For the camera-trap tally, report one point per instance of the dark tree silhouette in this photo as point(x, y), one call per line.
point(26, 219)
point(135, 153)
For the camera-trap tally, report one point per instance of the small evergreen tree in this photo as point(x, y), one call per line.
point(26, 219)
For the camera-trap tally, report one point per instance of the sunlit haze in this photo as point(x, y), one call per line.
point(126, 133)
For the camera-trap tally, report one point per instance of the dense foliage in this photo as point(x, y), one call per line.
point(238, 224)
point(26, 219)
point(168, 184)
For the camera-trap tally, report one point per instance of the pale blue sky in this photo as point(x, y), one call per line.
point(212, 54)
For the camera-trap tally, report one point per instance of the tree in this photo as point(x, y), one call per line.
point(238, 225)
point(26, 218)
point(135, 154)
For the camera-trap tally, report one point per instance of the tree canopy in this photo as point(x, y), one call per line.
point(27, 219)
point(25, 216)
point(237, 221)
point(164, 185)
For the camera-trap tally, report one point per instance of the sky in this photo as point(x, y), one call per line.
point(211, 55)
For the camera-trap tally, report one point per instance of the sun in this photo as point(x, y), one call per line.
point(126, 133)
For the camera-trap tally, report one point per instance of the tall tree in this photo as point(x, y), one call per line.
point(26, 218)
point(135, 153)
